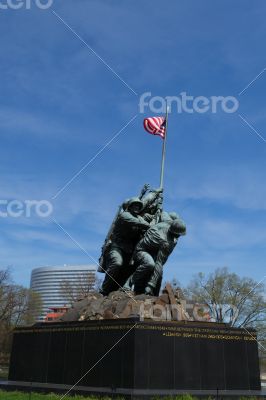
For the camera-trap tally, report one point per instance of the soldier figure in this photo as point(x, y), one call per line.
point(140, 239)
point(151, 254)
point(126, 234)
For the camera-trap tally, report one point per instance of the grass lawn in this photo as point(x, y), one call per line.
point(37, 396)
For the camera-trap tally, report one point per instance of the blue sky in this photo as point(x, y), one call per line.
point(60, 104)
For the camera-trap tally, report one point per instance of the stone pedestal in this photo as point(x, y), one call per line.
point(135, 356)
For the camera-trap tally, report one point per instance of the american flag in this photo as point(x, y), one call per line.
point(155, 126)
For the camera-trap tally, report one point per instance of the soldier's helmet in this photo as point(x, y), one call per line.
point(125, 204)
point(135, 201)
point(173, 215)
point(177, 227)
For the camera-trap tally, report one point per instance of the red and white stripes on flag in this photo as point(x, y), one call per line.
point(155, 126)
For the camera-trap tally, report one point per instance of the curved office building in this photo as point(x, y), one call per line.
point(48, 282)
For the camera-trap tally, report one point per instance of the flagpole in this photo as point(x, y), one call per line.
point(164, 148)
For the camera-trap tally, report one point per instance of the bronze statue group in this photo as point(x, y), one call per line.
point(140, 240)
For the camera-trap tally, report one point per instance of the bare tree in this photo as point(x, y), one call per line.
point(5, 293)
point(236, 300)
point(18, 305)
point(85, 284)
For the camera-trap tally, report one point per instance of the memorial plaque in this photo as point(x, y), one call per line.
point(132, 354)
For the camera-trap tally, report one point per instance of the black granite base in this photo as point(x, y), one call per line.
point(129, 355)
